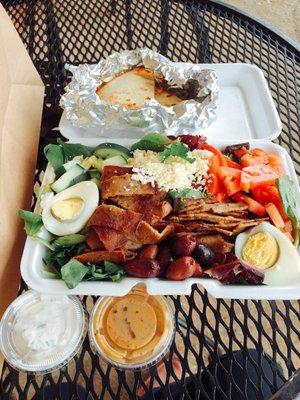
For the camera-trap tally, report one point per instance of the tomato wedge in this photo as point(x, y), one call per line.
point(231, 178)
point(231, 163)
point(240, 152)
point(213, 183)
point(248, 159)
point(274, 215)
point(257, 175)
point(253, 205)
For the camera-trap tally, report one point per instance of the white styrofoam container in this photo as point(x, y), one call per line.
point(32, 263)
point(246, 110)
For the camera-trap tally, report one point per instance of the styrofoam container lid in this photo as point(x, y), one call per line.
point(246, 110)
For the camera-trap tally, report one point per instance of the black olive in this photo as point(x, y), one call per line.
point(204, 255)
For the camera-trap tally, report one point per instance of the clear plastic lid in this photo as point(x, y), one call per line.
point(134, 331)
point(40, 333)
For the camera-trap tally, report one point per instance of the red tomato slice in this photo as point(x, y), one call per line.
point(231, 178)
point(274, 215)
point(258, 175)
point(274, 159)
point(240, 152)
point(213, 182)
point(253, 205)
point(221, 197)
point(231, 163)
point(248, 159)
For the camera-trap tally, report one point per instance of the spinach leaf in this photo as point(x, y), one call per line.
point(71, 150)
point(68, 240)
point(107, 271)
point(187, 194)
point(55, 156)
point(287, 193)
point(152, 141)
point(33, 222)
point(156, 138)
point(177, 149)
point(60, 255)
point(73, 272)
point(147, 145)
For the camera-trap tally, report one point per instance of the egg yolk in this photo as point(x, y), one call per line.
point(67, 209)
point(261, 250)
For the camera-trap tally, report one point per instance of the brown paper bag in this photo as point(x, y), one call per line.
point(21, 103)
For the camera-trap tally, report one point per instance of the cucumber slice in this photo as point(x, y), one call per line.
point(116, 160)
point(108, 150)
point(80, 178)
point(67, 178)
point(64, 168)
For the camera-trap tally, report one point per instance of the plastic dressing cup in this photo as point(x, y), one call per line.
point(41, 333)
point(132, 332)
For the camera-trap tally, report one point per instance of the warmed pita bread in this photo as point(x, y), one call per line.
point(130, 89)
point(133, 88)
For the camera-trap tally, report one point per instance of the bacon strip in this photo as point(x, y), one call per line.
point(93, 240)
point(97, 257)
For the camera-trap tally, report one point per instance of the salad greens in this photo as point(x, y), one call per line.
point(33, 224)
point(287, 193)
point(59, 263)
point(152, 141)
point(74, 272)
point(177, 149)
point(59, 154)
point(187, 194)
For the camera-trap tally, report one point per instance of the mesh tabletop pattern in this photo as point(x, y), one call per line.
point(76, 31)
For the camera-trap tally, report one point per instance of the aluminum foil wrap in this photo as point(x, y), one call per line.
point(87, 113)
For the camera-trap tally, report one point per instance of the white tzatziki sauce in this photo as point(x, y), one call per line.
point(40, 332)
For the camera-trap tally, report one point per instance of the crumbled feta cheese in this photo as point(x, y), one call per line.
point(174, 173)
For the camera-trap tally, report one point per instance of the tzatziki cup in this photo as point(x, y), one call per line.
point(40, 333)
point(132, 332)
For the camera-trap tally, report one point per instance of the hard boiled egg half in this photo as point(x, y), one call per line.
point(267, 248)
point(68, 211)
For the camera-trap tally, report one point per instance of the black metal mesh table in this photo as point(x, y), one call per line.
point(77, 31)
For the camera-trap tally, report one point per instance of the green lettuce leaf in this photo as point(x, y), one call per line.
point(73, 272)
point(287, 193)
point(177, 149)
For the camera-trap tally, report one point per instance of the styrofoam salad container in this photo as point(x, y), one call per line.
point(31, 263)
point(245, 108)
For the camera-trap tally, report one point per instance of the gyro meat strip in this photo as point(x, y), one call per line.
point(114, 170)
point(210, 217)
point(113, 239)
point(97, 257)
point(212, 228)
point(146, 234)
point(123, 185)
point(216, 242)
point(152, 208)
point(225, 208)
point(115, 218)
point(247, 224)
point(93, 240)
